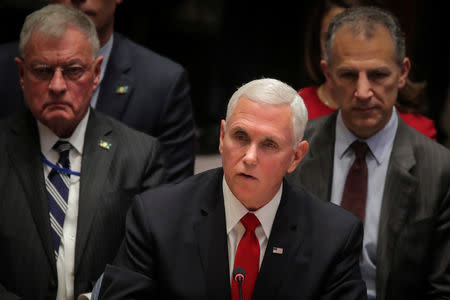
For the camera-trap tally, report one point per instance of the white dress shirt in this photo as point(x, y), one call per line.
point(234, 211)
point(377, 160)
point(66, 253)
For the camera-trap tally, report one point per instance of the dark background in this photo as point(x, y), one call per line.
point(225, 43)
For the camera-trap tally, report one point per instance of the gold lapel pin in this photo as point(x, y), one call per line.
point(104, 144)
point(123, 89)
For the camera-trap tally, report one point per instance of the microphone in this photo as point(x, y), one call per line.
point(239, 276)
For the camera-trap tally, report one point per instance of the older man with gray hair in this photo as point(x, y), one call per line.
point(68, 173)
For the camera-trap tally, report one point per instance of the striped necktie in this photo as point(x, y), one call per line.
point(57, 184)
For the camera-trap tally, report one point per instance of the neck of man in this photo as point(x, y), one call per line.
point(325, 97)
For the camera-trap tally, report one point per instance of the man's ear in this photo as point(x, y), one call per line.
point(20, 68)
point(97, 70)
point(324, 68)
point(326, 72)
point(299, 152)
point(222, 135)
point(404, 71)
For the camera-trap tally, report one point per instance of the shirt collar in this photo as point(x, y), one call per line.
point(235, 210)
point(48, 138)
point(379, 144)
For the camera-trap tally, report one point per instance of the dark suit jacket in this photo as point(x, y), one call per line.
point(157, 99)
point(109, 180)
point(413, 251)
point(11, 95)
point(176, 247)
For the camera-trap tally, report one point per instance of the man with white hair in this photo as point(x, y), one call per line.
point(241, 231)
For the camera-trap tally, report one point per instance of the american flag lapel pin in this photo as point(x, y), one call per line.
point(277, 250)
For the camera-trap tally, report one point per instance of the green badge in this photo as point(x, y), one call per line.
point(122, 89)
point(104, 145)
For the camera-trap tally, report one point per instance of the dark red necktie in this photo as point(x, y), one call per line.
point(355, 189)
point(247, 257)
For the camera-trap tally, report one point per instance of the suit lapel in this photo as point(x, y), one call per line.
point(287, 234)
point(117, 83)
point(212, 242)
point(95, 166)
point(398, 195)
point(319, 160)
point(24, 150)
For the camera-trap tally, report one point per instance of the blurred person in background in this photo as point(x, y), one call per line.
point(412, 101)
point(366, 159)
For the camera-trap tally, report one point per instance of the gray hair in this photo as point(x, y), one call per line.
point(53, 20)
point(272, 91)
point(363, 20)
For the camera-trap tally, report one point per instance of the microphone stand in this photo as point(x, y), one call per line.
point(239, 275)
point(240, 287)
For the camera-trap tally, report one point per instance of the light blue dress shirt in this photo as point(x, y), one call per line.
point(104, 51)
point(377, 160)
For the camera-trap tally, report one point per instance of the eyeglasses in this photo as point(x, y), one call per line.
point(44, 72)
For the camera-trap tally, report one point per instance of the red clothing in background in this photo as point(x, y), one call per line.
point(317, 108)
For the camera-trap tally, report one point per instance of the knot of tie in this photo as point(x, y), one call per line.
point(250, 222)
point(63, 147)
point(360, 149)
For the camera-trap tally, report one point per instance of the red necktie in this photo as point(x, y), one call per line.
point(355, 189)
point(247, 257)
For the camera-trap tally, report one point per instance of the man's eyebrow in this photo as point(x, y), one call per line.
point(238, 129)
point(75, 61)
point(380, 69)
point(270, 139)
point(345, 69)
